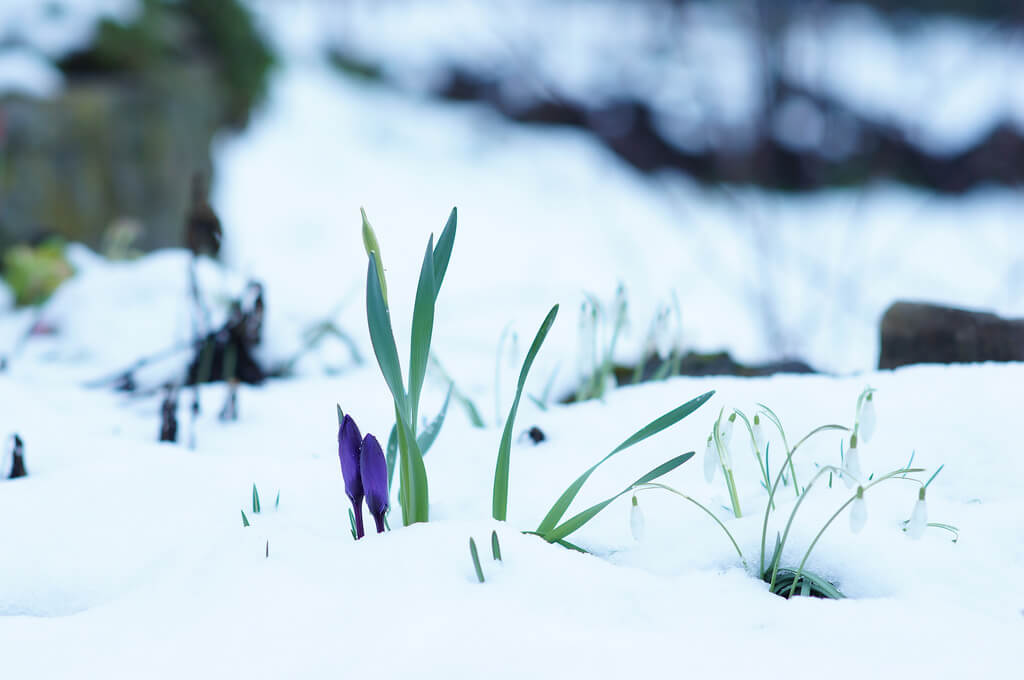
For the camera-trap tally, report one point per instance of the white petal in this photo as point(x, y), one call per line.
point(867, 419)
point(710, 461)
point(636, 523)
point(726, 431)
point(759, 438)
point(851, 468)
point(918, 520)
point(858, 515)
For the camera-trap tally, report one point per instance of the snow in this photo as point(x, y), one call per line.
point(122, 550)
point(33, 34)
point(947, 82)
point(123, 556)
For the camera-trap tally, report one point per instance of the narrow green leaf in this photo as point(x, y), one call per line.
point(422, 331)
point(373, 250)
point(392, 453)
point(476, 560)
point(245, 520)
point(352, 524)
point(578, 520)
point(255, 500)
point(383, 338)
point(413, 492)
point(426, 438)
point(558, 510)
point(443, 251)
point(277, 501)
point(499, 498)
point(341, 415)
point(564, 543)
point(495, 548)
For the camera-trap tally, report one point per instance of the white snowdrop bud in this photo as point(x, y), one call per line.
point(727, 429)
point(919, 517)
point(851, 464)
point(867, 417)
point(710, 460)
point(636, 521)
point(758, 435)
point(858, 511)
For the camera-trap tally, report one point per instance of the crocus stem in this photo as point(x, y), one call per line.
point(379, 519)
point(357, 510)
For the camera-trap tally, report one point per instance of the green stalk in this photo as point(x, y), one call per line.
point(730, 480)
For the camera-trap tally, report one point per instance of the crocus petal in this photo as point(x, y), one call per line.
point(710, 461)
point(858, 515)
point(374, 470)
point(918, 520)
point(349, 445)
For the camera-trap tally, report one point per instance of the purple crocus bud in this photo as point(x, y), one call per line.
point(349, 446)
point(374, 470)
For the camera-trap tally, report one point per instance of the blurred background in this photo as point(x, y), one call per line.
point(760, 178)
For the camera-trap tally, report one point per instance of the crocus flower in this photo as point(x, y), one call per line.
point(858, 511)
point(350, 444)
point(374, 470)
point(636, 521)
point(710, 460)
point(919, 517)
point(851, 464)
point(867, 418)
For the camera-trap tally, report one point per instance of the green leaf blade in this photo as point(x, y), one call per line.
point(382, 338)
point(422, 332)
point(560, 507)
point(499, 496)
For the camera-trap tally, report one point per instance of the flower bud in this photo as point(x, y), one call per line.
point(851, 464)
point(727, 429)
point(919, 517)
point(710, 460)
point(866, 418)
point(858, 511)
point(759, 440)
point(636, 521)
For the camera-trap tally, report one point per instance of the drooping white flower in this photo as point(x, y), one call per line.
point(919, 517)
point(867, 418)
point(851, 464)
point(759, 439)
point(726, 431)
point(858, 511)
point(710, 460)
point(636, 521)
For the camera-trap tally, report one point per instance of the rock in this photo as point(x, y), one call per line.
point(918, 333)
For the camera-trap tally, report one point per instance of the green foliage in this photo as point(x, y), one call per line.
point(499, 499)
point(413, 489)
point(476, 560)
point(34, 273)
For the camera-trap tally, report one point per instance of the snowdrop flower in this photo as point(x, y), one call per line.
point(851, 464)
point(727, 429)
point(350, 446)
point(758, 435)
point(636, 521)
point(373, 472)
point(867, 420)
point(710, 460)
point(919, 517)
point(858, 512)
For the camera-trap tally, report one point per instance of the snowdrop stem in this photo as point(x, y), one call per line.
point(850, 500)
point(723, 456)
point(792, 516)
point(656, 485)
point(782, 471)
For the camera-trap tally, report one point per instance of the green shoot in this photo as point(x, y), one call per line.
point(495, 548)
point(476, 561)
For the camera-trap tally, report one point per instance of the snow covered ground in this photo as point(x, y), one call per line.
point(124, 557)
